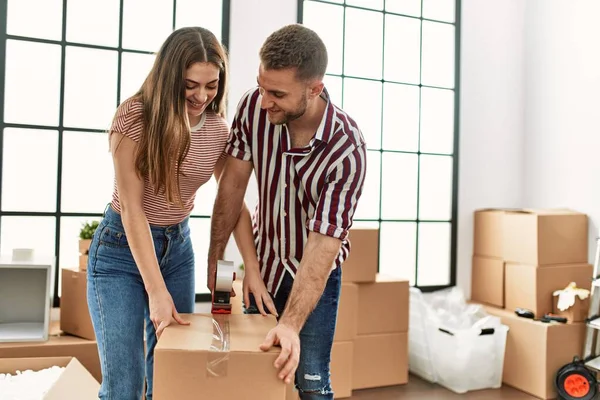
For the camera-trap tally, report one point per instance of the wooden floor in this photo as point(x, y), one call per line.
point(419, 389)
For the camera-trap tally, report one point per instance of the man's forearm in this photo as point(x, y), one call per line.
point(244, 237)
point(311, 278)
point(224, 220)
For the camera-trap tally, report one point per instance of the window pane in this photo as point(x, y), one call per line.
point(200, 232)
point(333, 84)
point(24, 77)
point(90, 83)
point(400, 117)
point(406, 7)
point(359, 44)
point(438, 54)
point(87, 172)
point(368, 204)
point(144, 27)
point(29, 170)
point(398, 250)
point(93, 22)
point(372, 4)
point(328, 21)
point(205, 198)
point(402, 49)
point(435, 188)
point(45, 22)
point(437, 121)
point(434, 254)
point(36, 233)
point(134, 69)
point(441, 10)
point(399, 186)
point(206, 14)
point(367, 114)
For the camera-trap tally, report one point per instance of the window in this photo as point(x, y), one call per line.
point(67, 67)
point(393, 66)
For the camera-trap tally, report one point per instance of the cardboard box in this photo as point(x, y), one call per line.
point(545, 237)
point(487, 281)
point(380, 360)
point(74, 314)
point(383, 306)
point(86, 351)
point(346, 327)
point(531, 287)
point(217, 355)
point(341, 372)
point(363, 261)
point(535, 351)
point(488, 228)
point(74, 383)
point(24, 300)
point(578, 312)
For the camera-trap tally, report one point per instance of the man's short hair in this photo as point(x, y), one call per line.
point(295, 46)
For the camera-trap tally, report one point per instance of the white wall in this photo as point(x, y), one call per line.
point(563, 107)
point(491, 116)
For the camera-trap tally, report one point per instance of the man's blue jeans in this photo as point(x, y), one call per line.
point(316, 338)
point(118, 302)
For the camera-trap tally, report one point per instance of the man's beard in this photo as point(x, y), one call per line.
point(291, 116)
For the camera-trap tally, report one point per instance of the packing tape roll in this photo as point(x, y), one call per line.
point(218, 355)
point(224, 279)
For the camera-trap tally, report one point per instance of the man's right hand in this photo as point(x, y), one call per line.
point(162, 311)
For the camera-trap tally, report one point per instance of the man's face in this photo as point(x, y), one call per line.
point(282, 94)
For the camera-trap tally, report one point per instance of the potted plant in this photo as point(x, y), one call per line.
point(85, 239)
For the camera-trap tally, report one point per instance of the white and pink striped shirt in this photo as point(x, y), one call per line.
point(209, 139)
point(315, 188)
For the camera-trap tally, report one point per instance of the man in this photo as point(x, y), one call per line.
point(309, 158)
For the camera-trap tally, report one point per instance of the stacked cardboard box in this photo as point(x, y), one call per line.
point(521, 256)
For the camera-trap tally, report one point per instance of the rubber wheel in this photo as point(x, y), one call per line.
point(575, 382)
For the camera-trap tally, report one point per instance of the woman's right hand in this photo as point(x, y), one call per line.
point(162, 311)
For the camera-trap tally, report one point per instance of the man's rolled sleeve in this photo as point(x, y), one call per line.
point(338, 199)
point(239, 142)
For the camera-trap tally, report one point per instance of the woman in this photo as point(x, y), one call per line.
point(166, 141)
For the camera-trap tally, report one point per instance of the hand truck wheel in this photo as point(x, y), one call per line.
point(575, 382)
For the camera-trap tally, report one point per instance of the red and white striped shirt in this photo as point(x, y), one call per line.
point(315, 188)
point(208, 142)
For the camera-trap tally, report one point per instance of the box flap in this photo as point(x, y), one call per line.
point(244, 333)
point(482, 210)
point(545, 211)
point(75, 382)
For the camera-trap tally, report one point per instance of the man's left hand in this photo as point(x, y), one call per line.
point(289, 341)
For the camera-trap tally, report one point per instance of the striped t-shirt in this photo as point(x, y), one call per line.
point(208, 142)
point(314, 188)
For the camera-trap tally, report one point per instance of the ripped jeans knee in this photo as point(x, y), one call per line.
point(314, 385)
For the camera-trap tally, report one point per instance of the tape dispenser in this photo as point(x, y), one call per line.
point(221, 297)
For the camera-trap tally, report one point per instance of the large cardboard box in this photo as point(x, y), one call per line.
point(74, 314)
point(363, 261)
point(380, 360)
point(346, 326)
point(531, 287)
point(487, 281)
point(217, 355)
point(341, 372)
point(383, 306)
point(57, 345)
point(488, 228)
point(74, 383)
point(545, 237)
point(535, 351)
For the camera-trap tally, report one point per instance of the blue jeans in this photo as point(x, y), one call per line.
point(316, 337)
point(118, 302)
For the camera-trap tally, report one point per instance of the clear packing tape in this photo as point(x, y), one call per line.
point(218, 354)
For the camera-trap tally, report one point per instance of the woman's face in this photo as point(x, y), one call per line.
point(201, 87)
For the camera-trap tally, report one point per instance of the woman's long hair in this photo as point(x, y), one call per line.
point(166, 139)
